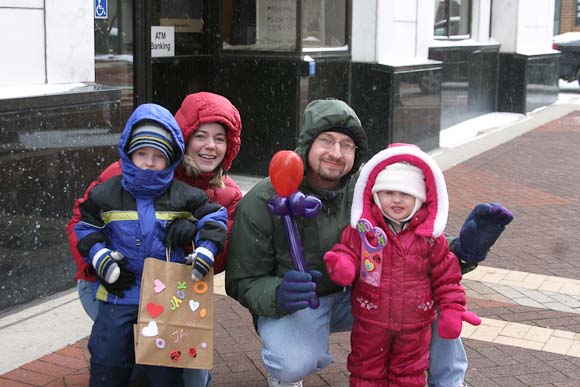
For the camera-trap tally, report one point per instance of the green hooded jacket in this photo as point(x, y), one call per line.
point(258, 256)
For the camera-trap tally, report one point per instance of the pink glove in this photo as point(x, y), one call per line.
point(450, 319)
point(340, 268)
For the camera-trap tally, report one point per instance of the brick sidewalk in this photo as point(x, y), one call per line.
point(537, 176)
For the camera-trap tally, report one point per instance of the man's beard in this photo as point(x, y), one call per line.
point(329, 175)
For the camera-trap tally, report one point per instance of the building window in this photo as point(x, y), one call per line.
point(270, 25)
point(452, 19)
point(324, 25)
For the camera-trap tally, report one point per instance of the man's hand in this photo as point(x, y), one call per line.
point(180, 233)
point(481, 229)
point(296, 290)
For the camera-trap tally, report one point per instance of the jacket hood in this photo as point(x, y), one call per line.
point(204, 107)
point(149, 183)
point(437, 202)
point(331, 115)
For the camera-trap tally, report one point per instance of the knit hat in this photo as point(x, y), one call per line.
point(402, 177)
point(154, 135)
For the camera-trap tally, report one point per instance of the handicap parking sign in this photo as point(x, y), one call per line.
point(101, 10)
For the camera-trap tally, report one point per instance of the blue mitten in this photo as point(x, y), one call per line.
point(202, 260)
point(296, 289)
point(105, 263)
point(481, 229)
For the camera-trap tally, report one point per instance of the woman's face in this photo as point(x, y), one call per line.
point(207, 146)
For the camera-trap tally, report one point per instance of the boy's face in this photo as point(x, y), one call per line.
point(397, 205)
point(149, 158)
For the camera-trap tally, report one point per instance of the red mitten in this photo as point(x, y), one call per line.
point(340, 268)
point(451, 317)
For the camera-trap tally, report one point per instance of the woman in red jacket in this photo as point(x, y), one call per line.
point(211, 128)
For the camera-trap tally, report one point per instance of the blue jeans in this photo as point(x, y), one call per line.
point(447, 362)
point(87, 290)
point(297, 345)
point(113, 353)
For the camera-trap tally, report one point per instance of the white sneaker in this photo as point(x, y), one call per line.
point(273, 382)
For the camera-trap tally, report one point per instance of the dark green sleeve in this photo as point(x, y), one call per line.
point(251, 264)
point(465, 267)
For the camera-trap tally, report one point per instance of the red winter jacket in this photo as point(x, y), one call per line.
point(196, 109)
point(417, 272)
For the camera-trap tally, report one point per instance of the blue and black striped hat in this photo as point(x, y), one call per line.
point(152, 134)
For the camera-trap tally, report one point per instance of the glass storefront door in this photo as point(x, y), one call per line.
point(114, 51)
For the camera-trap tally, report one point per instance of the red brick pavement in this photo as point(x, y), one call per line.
point(536, 175)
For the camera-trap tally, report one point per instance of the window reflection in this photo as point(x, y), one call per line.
point(324, 24)
point(452, 19)
point(188, 18)
point(271, 24)
point(114, 51)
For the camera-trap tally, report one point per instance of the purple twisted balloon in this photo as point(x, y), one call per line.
point(287, 208)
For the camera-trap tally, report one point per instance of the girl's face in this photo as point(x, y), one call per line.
point(207, 146)
point(397, 205)
point(149, 158)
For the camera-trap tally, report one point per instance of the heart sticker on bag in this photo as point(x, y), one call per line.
point(193, 305)
point(154, 310)
point(158, 286)
point(150, 330)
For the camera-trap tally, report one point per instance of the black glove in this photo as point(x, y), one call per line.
point(296, 290)
point(181, 232)
point(125, 281)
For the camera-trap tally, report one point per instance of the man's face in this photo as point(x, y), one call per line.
point(330, 158)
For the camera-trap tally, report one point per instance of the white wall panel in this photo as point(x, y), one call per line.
point(22, 3)
point(70, 41)
point(535, 26)
point(364, 30)
point(504, 24)
point(22, 52)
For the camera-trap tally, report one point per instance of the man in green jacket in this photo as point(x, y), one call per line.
point(260, 274)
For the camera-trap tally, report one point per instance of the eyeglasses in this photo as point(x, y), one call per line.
point(345, 146)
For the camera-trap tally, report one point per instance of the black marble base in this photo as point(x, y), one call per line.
point(527, 82)
point(469, 85)
point(398, 104)
point(51, 148)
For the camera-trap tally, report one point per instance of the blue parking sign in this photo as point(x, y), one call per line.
point(101, 10)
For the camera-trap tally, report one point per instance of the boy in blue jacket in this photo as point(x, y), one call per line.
point(125, 220)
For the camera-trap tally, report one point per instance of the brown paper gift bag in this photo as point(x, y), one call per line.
point(175, 322)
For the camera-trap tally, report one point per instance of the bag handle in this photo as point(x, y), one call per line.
point(168, 251)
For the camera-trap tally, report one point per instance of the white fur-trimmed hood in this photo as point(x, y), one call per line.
point(437, 202)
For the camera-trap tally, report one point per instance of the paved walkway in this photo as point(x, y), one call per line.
point(527, 291)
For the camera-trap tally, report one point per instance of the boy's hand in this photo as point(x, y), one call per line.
point(481, 230)
point(105, 263)
point(181, 232)
point(125, 281)
point(202, 260)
